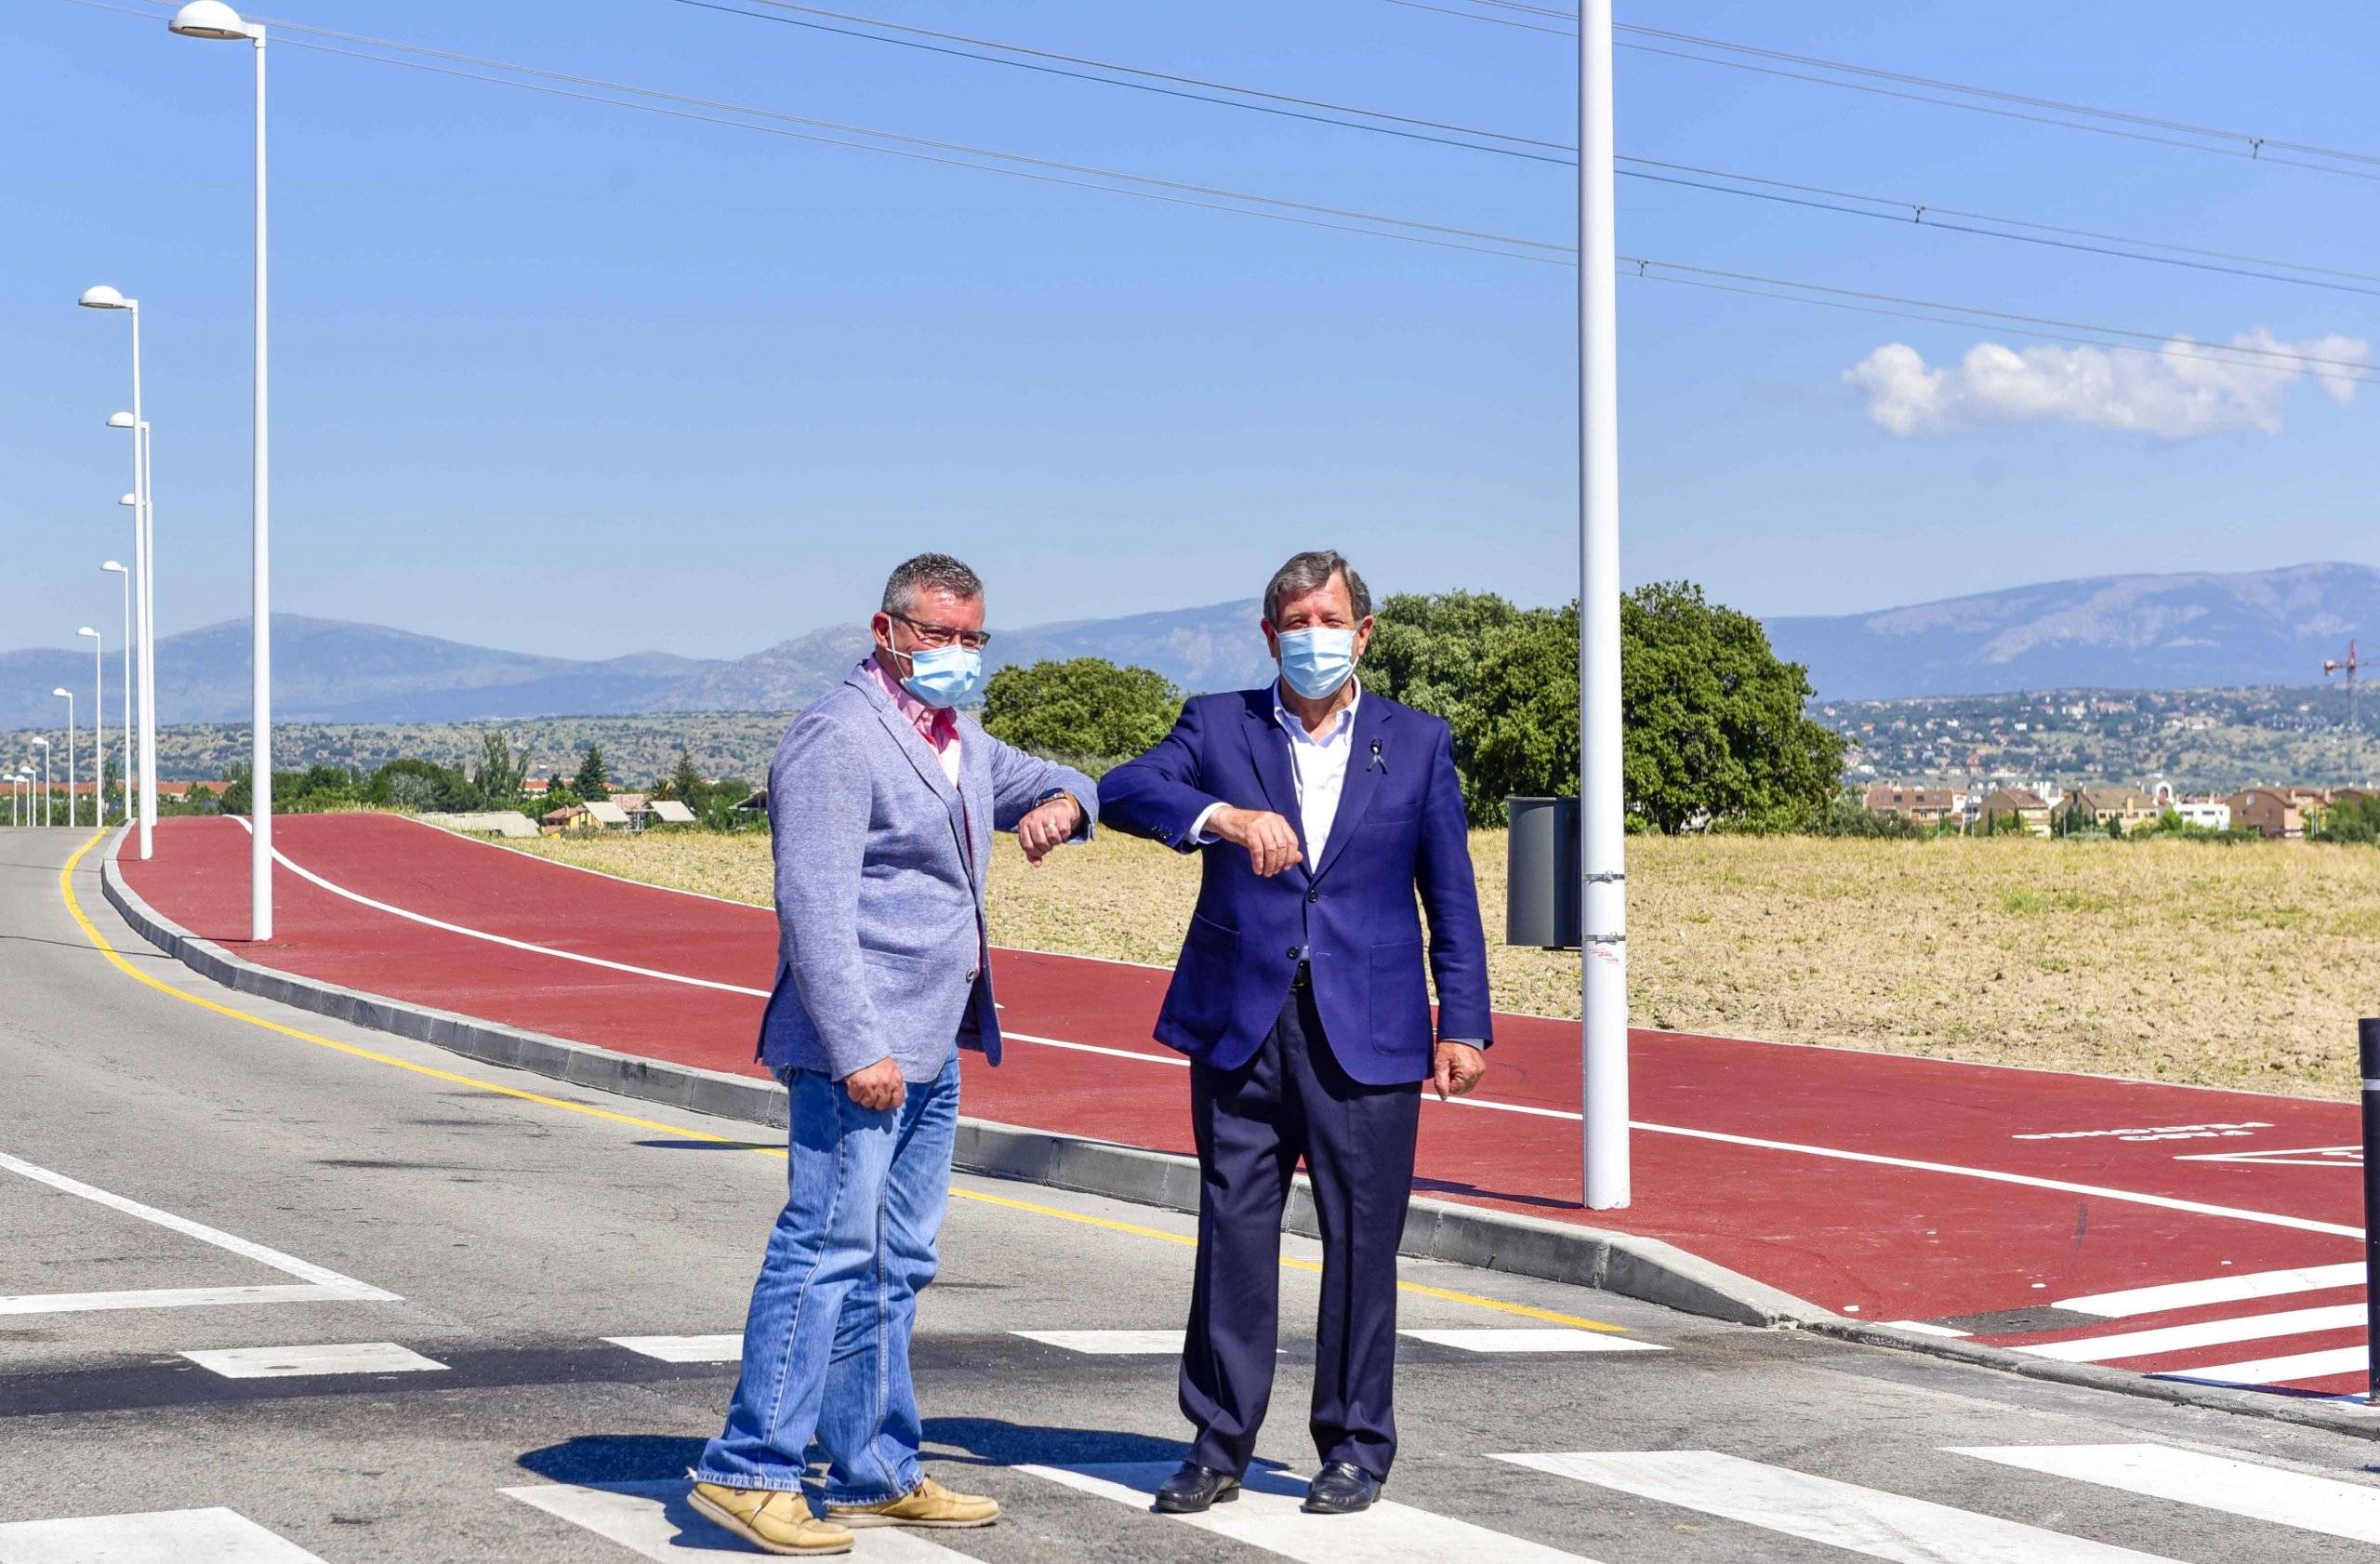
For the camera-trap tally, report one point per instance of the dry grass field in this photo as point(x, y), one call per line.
point(2174, 961)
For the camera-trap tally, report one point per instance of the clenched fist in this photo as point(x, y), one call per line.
point(1049, 826)
point(1272, 842)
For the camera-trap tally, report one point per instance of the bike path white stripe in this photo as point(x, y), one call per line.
point(2237, 1288)
point(1560, 1338)
point(212, 1536)
point(2163, 1202)
point(652, 1520)
point(2276, 1371)
point(325, 1282)
point(2213, 1482)
point(1266, 1516)
point(2208, 1333)
point(286, 1362)
point(684, 1349)
point(1823, 1510)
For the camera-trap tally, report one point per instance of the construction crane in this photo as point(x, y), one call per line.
point(2333, 665)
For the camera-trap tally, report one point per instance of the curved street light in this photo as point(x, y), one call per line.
point(212, 18)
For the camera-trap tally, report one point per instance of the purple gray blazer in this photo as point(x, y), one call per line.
point(880, 884)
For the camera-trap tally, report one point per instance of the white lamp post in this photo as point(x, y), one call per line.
point(131, 764)
point(99, 728)
point(212, 18)
point(67, 696)
point(43, 745)
point(143, 582)
point(1602, 810)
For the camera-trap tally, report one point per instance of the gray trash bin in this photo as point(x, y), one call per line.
point(1541, 870)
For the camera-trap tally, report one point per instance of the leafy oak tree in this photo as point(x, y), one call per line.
point(1084, 708)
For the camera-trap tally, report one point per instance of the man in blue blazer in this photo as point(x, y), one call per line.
point(1303, 999)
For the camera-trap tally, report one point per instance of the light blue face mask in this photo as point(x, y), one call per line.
point(943, 676)
point(1316, 662)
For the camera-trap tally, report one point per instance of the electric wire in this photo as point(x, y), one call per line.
point(1091, 65)
point(1474, 16)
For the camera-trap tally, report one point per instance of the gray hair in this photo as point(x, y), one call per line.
point(928, 573)
point(1311, 572)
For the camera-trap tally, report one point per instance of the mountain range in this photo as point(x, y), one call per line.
point(2135, 632)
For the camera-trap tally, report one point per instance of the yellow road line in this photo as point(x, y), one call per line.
point(100, 942)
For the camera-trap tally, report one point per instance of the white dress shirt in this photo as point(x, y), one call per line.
point(1319, 768)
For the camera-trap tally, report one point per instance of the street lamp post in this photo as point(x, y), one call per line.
point(99, 728)
point(131, 761)
point(43, 745)
point(68, 697)
point(212, 18)
point(143, 583)
point(1601, 816)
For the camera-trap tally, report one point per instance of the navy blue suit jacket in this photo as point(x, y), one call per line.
point(1352, 917)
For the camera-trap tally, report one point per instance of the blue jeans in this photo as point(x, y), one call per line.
point(826, 1343)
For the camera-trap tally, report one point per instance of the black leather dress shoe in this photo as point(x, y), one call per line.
point(1341, 1488)
point(1194, 1487)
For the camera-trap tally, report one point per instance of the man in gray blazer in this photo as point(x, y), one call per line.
point(882, 800)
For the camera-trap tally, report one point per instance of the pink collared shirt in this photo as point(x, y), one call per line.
point(937, 725)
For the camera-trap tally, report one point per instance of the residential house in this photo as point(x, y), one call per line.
point(1926, 807)
point(605, 813)
point(637, 807)
point(569, 817)
point(2022, 802)
point(2276, 812)
point(2206, 810)
point(669, 811)
point(2126, 808)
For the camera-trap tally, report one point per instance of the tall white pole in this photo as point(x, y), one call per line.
point(131, 764)
point(145, 521)
point(99, 731)
point(143, 587)
point(69, 697)
point(260, 757)
point(1604, 999)
point(48, 782)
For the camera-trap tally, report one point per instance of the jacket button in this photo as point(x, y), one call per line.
point(1314, 896)
point(1295, 952)
point(974, 972)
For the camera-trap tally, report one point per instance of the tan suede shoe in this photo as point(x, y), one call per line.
point(929, 1503)
point(769, 1520)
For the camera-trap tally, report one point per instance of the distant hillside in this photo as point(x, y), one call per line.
point(2154, 632)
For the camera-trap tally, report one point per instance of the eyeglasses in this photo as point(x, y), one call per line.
point(942, 635)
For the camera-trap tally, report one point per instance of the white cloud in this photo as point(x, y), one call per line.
point(2176, 393)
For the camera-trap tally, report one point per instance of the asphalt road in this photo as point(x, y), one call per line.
point(178, 1179)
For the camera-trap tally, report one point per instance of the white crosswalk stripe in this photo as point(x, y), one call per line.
point(652, 1520)
point(684, 1349)
point(2215, 1482)
point(1266, 1516)
point(2232, 1289)
point(2275, 1371)
point(1841, 1515)
point(2206, 1333)
point(1110, 1343)
point(1560, 1338)
point(283, 1363)
point(212, 1536)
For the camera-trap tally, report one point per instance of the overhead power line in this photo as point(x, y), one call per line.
point(1168, 84)
point(1571, 31)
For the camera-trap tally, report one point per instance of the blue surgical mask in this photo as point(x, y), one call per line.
point(1316, 662)
point(943, 676)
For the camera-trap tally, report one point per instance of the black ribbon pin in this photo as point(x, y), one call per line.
point(1378, 764)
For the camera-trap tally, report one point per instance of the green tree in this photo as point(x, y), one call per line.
point(500, 771)
point(408, 783)
point(1086, 708)
point(593, 782)
point(686, 785)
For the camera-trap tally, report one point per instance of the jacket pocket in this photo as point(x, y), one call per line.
point(1400, 997)
point(1199, 999)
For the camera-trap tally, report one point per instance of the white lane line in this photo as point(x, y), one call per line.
point(2210, 1332)
point(1924, 1328)
point(1110, 1343)
point(288, 1362)
point(1266, 1516)
point(2233, 1289)
point(2215, 1482)
point(1822, 1510)
point(652, 1520)
point(1560, 1338)
point(2163, 1202)
point(2275, 1371)
point(685, 1349)
point(321, 1283)
point(214, 1536)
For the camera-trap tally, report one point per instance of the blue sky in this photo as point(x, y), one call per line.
point(576, 379)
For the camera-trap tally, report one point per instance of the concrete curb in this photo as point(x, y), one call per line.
point(1620, 1262)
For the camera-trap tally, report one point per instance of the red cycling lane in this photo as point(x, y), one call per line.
point(1881, 1184)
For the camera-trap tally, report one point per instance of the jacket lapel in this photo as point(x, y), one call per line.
point(920, 756)
point(1268, 747)
point(1362, 777)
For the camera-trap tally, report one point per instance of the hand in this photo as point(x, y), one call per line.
point(1457, 1069)
point(1047, 827)
point(879, 1087)
point(1271, 842)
